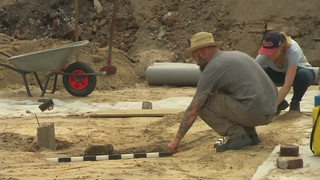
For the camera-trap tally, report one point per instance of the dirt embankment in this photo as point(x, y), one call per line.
point(148, 31)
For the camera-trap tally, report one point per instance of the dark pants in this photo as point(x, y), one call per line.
point(227, 116)
point(303, 79)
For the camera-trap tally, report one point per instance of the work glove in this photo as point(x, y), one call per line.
point(282, 106)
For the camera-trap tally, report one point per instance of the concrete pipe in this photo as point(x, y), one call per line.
point(184, 74)
point(316, 71)
point(176, 74)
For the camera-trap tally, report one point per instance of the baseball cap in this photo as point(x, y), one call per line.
point(271, 42)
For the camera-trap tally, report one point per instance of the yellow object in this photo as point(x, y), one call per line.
point(315, 112)
point(315, 134)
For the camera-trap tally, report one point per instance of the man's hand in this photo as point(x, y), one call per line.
point(188, 119)
point(173, 147)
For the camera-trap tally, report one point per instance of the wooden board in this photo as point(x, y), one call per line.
point(134, 113)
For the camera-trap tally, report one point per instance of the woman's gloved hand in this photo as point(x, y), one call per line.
point(282, 106)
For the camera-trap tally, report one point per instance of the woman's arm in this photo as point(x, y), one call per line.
point(284, 90)
point(261, 59)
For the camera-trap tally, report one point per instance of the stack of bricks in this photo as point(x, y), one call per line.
point(289, 157)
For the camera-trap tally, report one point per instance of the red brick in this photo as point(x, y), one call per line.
point(289, 162)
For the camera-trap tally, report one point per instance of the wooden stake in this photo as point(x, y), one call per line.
point(76, 14)
point(46, 136)
point(146, 105)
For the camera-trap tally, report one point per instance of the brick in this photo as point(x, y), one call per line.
point(289, 162)
point(289, 150)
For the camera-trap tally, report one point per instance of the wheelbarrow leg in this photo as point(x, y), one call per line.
point(26, 84)
point(38, 80)
point(54, 83)
point(46, 83)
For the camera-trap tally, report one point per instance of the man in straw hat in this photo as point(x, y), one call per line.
point(233, 96)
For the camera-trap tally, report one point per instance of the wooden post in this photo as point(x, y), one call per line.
point(46, 136)
point(76, 14)
point(76, 28)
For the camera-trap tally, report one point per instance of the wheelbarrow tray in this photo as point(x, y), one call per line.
point(46, 60)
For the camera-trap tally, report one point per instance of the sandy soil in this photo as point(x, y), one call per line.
point(22, 158)
point(230, 21)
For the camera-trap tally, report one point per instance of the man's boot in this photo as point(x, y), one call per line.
point(295, 105)
point(235, 144)
point(282, 106)
point(253, 135)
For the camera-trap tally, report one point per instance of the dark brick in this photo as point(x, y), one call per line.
point(289, 150)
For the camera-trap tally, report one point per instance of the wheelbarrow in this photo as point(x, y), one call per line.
point(79, 79)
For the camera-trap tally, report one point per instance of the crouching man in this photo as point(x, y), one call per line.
point(233, 96)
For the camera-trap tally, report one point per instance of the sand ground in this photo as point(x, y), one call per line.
point(22, 159)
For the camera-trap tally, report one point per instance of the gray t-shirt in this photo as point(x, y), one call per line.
point(294, 56)
point(238, 75)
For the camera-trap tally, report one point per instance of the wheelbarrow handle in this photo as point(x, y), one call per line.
point(6, 54)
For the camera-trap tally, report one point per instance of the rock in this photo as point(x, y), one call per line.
point(99, 150)
point(170, 18)
point(98, 6)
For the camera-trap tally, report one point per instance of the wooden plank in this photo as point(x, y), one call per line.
point(134, 113)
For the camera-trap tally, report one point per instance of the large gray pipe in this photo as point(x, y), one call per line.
point(177, 74)
point(183, 74)
point(316, 71)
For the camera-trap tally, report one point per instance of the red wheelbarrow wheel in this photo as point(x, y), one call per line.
point(79, 85)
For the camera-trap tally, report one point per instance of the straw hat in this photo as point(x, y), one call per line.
point(200, 40)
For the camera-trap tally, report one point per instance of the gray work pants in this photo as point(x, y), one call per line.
point(227, 117)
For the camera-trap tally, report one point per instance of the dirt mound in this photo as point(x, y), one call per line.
point(91, 54)
point(167, 25)
point(56, 19)
point(149, 31)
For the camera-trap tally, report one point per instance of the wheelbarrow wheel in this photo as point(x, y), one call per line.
point(79, 85)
